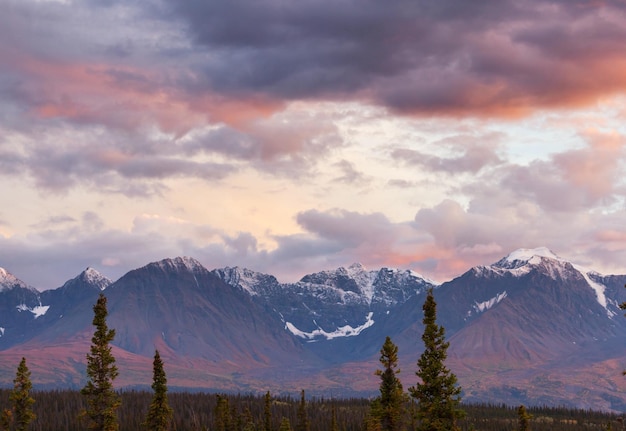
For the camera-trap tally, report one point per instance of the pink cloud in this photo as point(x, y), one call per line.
point(596, 169)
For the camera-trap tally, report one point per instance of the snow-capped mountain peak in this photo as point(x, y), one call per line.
point(521, 261)
point(9, 281)
point(523, 256)
point(184, 262)
point(94, 278)
point(252, 282)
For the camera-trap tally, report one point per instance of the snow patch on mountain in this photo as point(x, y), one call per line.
point(344, 331)
point(417, 275)
point(38, 310)
point(1, 331)
point(598, 288)
point(486, 305)
point(364, 280)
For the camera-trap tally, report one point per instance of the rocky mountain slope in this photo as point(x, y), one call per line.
point(531, 328)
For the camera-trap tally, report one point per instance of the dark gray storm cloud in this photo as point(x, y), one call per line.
point(450, 56)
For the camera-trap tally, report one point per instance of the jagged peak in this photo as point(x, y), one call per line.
point(370, 285)
point(179, 262)
point(9, 281)
point(356, 267)
point(244, 278)
point(95, 278)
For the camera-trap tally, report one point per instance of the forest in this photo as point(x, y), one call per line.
point(60, 410)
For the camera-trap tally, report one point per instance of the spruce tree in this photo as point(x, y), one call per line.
point(333, 418)
point(388, 408)
point(284, 424)
point(159, 413)
point(623, 307)
point(437, 393)
point(523, 418)
point(248, 420)
point(267, 412)
point(222, 414)
point(303, 419)
point(6, 418)
point(102, 400)
point(22, 412)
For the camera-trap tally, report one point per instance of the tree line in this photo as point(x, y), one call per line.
point(432, 404)
point(57, 410)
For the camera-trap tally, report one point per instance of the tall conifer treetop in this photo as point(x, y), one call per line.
point(102, 400)
point(159, 413)
point(388, 408)
point(22, 413)
point(303, 419)
point(437, 394)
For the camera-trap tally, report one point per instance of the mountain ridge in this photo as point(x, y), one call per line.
point(508, 323)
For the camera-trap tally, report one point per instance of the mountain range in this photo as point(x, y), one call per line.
point(530, 329)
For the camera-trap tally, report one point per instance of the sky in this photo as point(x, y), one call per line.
point(290, 137)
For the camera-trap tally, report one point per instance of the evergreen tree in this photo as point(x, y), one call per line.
point(437, 393)
point(303, 420)
point(524, 418)
point(333, 418)
point(22, 412)
point(159, 413)
point(222, 414)
point(388, 408)
point(372, 420)
point(267, 412)
point(102, 400)
point(6, 418)
point(623, 307)
point(248, 420)
point(284, 425)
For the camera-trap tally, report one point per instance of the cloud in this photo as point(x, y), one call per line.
point(54, 221)
point(572, 180)
point(288, 143)
point(474, 154)
point(368, 238)
point(180, 65)
point(322, 99)
point(350, 175)
point(57, 164)
point(504, 59)
point(479, 235)
point(441, 242)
